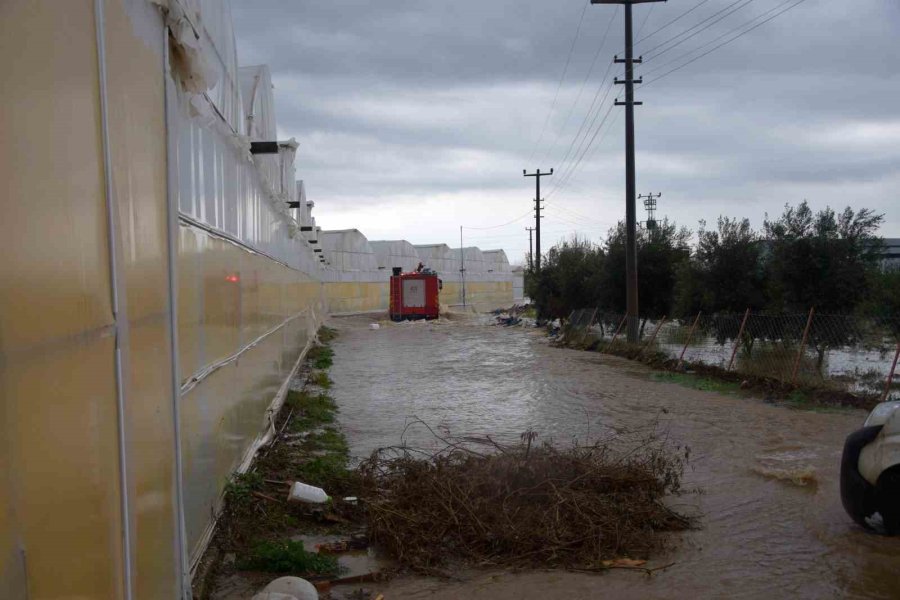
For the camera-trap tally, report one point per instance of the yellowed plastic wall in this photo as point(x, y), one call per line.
point(244, 320)
point(136, 100)
point(60, 522)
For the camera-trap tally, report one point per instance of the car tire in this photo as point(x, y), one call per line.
point(888, 491)
point(859, 497)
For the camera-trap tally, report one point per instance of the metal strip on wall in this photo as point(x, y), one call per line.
point(119, 309)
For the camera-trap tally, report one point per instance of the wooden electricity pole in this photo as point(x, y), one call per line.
point(537, 215)
point(631, 274)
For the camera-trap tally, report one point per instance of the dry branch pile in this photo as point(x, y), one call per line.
point(484, 503)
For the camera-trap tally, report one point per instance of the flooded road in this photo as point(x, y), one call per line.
point(771, 522)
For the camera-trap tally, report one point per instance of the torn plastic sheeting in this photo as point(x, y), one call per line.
point(190, 60)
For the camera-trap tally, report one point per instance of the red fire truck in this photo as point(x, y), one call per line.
point(415, 295)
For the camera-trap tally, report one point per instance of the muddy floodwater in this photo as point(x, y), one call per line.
point(771, 522)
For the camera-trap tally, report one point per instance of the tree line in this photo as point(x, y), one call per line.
point(799, 260)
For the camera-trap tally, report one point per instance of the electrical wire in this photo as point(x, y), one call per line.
point(672, 22)
point(583, 83)
point(561, 79)
point(721, 14)
point(519, 218)
point(565, 178)
point(726, 42)
point(587, 116)
point(573, 213)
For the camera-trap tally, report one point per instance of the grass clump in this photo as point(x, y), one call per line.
point(241, 486)
point(321, 357)
point(311, 410)
point(328, 440)
point(288, 556)
point(704, 384)
point(326, 334)
point(327, 471)
point(320, 378)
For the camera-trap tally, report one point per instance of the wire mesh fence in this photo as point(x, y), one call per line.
point(855, 354)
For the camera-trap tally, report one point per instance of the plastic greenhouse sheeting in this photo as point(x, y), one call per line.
point(348, 250)
point(396, 253)
point(495, 261)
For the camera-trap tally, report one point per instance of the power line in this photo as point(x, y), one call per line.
point(564, 180)
point(672, 22)
point(714, 48)
point(574, 213)
point(733, 7)
point(519, 218)
point(716, 39)
point(587, 116)
point(646, 18)
point(561, 79)
point(581, 89)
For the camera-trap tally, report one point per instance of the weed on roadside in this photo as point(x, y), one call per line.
point(704, 384)
point(326, 334)
point(241, 486)
point(311, 410)
point(321, 357)
point(288, 556)
point(320, 378)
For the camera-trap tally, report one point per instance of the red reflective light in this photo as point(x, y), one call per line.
point(232, 278)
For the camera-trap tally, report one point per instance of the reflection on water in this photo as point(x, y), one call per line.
point(772, 521)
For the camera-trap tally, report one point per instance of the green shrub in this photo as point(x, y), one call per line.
point(288, 556)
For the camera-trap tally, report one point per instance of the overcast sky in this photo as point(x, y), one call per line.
point(417, 116)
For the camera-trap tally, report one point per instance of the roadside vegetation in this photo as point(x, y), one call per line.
point(801, 259)
point(258, 529)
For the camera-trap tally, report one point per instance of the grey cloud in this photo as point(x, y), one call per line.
point(404, 98)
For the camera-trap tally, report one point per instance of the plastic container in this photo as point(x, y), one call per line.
point(301, 492)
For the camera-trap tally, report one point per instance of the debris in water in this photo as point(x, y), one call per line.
point(486, 503)
point(802, 476)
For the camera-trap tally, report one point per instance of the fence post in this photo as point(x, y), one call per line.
point(812, 311)
point(737, 340)
point(890, 379)
point(590, 322)
point(689, 337)
point(653, 337)
point(616, 334)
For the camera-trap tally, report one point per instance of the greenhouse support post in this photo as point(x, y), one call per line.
point(737, 340)
point(616, 334)
point(812, 311)
point(588, 328)
point(653, 336)
point(688, 341)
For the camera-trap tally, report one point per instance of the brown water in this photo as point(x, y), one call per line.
point(771, 519)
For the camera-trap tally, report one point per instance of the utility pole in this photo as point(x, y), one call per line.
point(462, 267)
point(537, 214)
point(530, 249)
point(631, 274)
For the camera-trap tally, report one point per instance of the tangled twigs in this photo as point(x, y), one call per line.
point(522, 505)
